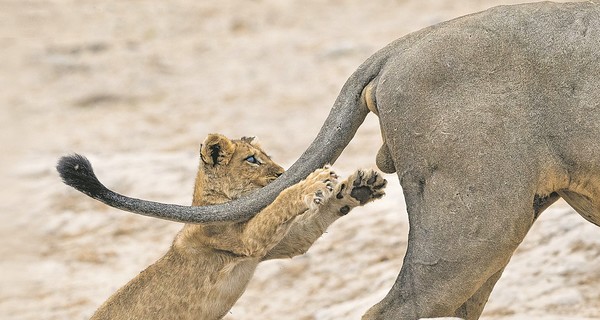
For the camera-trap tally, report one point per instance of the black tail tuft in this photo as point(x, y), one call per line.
point(77, 172)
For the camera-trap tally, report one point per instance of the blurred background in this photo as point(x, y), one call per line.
point(137, 85)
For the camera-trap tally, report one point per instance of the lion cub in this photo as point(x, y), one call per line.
point(208, 266)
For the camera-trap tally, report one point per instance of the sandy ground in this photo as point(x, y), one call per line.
point(136, 86)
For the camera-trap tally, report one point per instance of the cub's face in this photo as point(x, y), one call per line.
point(237, 166)
point(252, 165)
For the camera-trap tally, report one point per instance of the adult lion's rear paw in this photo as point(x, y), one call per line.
point(318, 186)
point(364, 186)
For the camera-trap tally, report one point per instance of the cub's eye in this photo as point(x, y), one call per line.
point(252, 159)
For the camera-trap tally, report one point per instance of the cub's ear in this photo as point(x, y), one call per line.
point(216, 150)
point(251, 140)
point(248, 139)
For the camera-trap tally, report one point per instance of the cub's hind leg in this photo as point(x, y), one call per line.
point(261, 233)
point(360, 188)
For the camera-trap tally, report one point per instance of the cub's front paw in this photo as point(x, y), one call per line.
point(364, 186)
point(318, 186)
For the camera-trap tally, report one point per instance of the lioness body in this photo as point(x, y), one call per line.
point(208, 266)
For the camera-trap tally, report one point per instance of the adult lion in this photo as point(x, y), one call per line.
point(487, 120)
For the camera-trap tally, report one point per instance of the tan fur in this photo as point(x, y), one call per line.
point(208, 266)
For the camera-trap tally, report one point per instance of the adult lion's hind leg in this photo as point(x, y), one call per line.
point(463, 231)
point(473, 307)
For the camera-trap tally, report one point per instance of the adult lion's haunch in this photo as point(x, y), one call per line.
point(487, 119)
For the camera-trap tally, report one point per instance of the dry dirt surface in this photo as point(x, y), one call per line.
point(136, 86)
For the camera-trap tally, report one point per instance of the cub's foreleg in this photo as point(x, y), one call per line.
point(360, 188)
point(261, 233)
